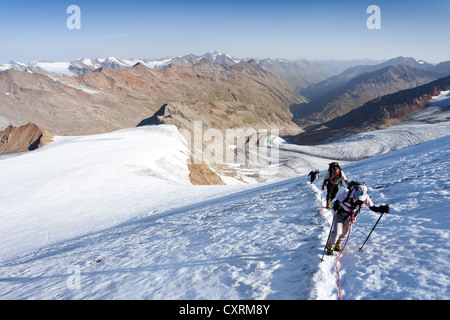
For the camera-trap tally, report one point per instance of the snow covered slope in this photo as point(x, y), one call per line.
point(82, 184)
point(407, 255)
point(114, 217)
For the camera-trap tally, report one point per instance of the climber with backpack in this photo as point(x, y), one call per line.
point(346, 208)
point(333, 179)
point(313, 175)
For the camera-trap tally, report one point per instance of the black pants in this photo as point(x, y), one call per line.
point(332, 190)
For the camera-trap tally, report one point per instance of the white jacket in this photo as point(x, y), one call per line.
point(351, 205)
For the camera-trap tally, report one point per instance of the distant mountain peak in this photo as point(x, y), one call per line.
point(140, 65)
point(205, 61)
point(101, 69)
point(248, 65)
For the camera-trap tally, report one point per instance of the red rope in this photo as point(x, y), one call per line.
point(325, 217)
point(346, 241)
point(337, 269)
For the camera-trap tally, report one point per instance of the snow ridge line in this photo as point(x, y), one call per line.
point(340, 253)
point(325, 280)
point(320, 200)
point(337, 260)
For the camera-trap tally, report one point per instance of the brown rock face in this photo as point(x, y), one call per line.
point(200, 174)
point(28, 137)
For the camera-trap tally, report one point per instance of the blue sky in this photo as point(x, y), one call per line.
point(246, 28)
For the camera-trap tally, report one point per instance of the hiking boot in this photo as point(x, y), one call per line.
point(329, 250)
point(337, 247)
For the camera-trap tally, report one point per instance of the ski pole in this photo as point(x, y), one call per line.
point(360, 249)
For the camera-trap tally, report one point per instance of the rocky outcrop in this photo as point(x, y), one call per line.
point(201, 174)
point(25, 138)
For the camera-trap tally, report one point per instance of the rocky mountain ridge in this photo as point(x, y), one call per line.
point(24, 138)
point(323, 88)
point(360, 89)
point(378, 113)
point(104, 100)
point(298, 73)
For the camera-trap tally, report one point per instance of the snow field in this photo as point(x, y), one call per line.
point(78, 185)
point(113, 217)
point(407, 255)
point(233, 249)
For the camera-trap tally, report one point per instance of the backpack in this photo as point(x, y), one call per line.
point(333, 165)
point(353, 184)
